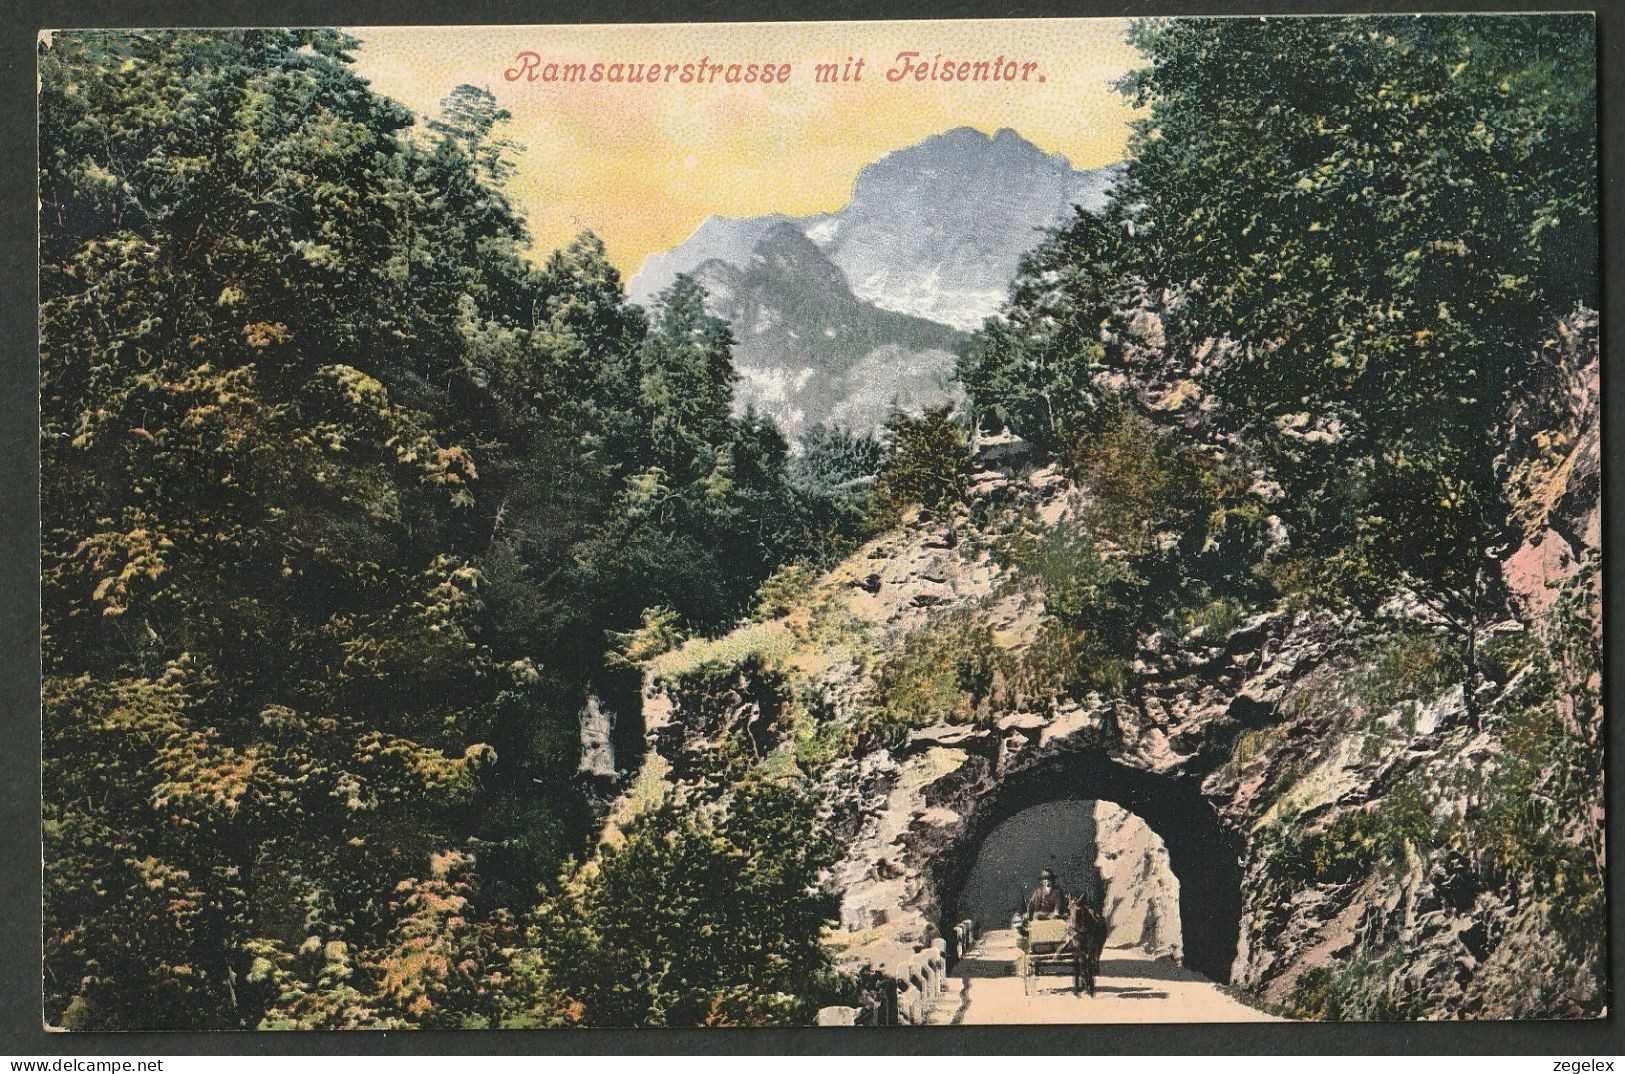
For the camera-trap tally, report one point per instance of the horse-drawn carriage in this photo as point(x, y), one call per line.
point(1074, 941)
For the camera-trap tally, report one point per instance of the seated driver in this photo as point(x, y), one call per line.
point(1046, 901)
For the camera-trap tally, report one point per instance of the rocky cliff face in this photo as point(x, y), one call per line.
point(1141, 892)
point(1346, 840)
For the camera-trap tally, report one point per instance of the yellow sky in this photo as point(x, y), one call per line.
point(643, 165)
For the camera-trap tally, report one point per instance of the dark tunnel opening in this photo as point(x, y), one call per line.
point(1202, 854)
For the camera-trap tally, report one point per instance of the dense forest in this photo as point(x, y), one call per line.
point(350, 501)
point(344, 503)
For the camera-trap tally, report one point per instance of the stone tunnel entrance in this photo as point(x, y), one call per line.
point(1095, 849)
point(1148, 843)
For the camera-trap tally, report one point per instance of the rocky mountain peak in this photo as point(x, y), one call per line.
point(1003, 158)
point(808, 350)
point(842, 315)
point(935, 229)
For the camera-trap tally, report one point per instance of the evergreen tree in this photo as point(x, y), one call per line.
point(688, 377)
point(927, 465)
point(1031, 368)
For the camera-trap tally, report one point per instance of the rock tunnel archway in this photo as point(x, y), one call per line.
point(1203, 855)
point(1097, 850)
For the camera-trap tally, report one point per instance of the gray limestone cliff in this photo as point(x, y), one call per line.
point(809, 351)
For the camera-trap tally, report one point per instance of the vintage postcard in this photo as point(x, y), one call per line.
point(855, 524)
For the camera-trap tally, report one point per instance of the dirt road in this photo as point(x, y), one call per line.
point(1131, 987)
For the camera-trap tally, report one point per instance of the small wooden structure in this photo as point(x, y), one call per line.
point(1043, 944)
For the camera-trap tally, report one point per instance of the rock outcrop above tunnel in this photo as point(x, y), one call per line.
point(913, 813)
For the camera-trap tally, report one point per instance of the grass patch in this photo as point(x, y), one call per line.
point(951, 670)
point(765, 645)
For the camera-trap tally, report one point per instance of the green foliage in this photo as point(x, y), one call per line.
point(688, 375)
point(1185, 520)
point(1540, 820)
point(1355, 842)
point(659, 634)
point(1259, 741)
point(1094, 612)
point(468, 117)
point(343, 502)
point(445, 965)
point(1386, 246)
point(1359, 990)
point(1520, 816)
point(707, 509)
point(928, 465)
point(1407, 666)
point(1503, 655)
point(1376, 219)
point(1169, 538)
point(1379, 235)
point(835, 469)
point(1030, 368)
point(1341, 579)
point(949, 670)
point(785, 590)
point(818, 738)
point(260, 302)
point(832, 457)
point(1214, 619)
point(758, 646)
point(704, 914)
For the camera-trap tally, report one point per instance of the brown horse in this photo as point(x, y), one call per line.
point(1086, 936)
